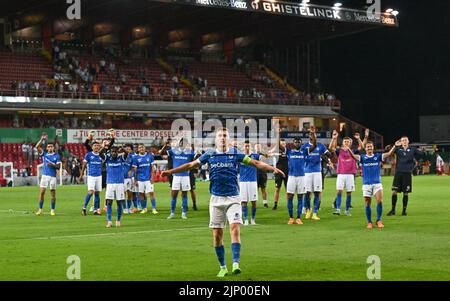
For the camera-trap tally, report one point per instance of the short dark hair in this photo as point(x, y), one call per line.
point(370, 142)
point(247, 142)
point(297, 140)
point(282, 139)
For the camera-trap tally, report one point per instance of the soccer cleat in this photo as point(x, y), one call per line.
point(144, 211)
point(380, 225)
point(246, 222)
point(337, 212)
point(303, 211)
point(391, 213)
point(171, 216)
point(53, 213)
point(91, 209)
point(275, 206)
point(299, 221)
point(109, 225)
point(266, 205)
point(315, 217)
point(135, 210)
point(236, 270)
point(118, 224)
point(125, 211)
point(39, 212)
point(184, 215)
point(195, 207)
point(347, 213)
point(308, 214)
point(404, 213)
point(369, 226)
point(291, 221)
point(253, 223)
point(223, 272)
point(154, 212)
point(83, 212)
point(98, 212)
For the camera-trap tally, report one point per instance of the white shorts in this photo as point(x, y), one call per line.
point(345, 182)
point(129, 185)
point(145, 187)
point(181, 183)
point(313, 182)
point(248, 191)
point(371, 190)
point(94, 183)
point(115, 192)
point(48, 182)
point(222, 209)
point(296, 185)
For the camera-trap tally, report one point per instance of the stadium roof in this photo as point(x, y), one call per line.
point(167, 21)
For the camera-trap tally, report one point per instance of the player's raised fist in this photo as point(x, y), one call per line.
point(357, 136)
point(398, 143)
point(367, 132)
point(165, 173)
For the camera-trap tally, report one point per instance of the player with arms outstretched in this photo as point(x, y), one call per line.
point(51, 163)
point(225, 203)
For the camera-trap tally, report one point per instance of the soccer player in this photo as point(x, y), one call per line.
point(51, 163)
point(282, 165)
point(143, 170)
point(225, 202)
point(372, 187)
point(403, 173)
point(262, 177)
point(346, 170)
point(440, 165)
point(128, 173)
point(248, 184)
point(115, 188)
point(94, 162)
point(180, 155)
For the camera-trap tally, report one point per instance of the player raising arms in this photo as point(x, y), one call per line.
point(225, 201)
point(94, 162)
point(143, 170)
point(180, 155)
point(51, 163)
point(372, 187)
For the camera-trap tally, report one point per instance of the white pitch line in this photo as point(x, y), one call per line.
point(103, 234)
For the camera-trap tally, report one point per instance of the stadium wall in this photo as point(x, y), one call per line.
point(9, 135)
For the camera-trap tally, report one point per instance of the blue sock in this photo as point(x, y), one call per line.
point(348, 202)
point(338, 201)
point(369, 214)
point(245, 212)
point(143, 204)
point(290, 206)
point(53, 204)
point(316, 202)
point(253, 212)
point(41, 204)
point(173, 204)
point(129, 204)
point(96, 201)
point(87, 199)
point(185, 204)
point(308, 201)
point(135, 203)
point(379, 211)
point(220, 252)
point(236, 252)
point(153, 203)
point(109, 212)
point(299, 205)
point(119, 210)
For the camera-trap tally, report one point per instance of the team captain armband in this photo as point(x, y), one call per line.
point(246, 160)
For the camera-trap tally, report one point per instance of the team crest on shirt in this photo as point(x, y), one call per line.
point(230, 157)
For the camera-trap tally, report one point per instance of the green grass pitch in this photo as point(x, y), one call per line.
point(152, 248)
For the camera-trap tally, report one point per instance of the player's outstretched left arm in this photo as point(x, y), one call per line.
point(266, 167)
point(186, 167)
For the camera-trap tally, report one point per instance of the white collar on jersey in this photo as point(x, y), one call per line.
point(219, 152)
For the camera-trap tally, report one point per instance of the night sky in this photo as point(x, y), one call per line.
point(387, 78)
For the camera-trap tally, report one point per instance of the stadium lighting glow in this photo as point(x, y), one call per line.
point(306, 1)
point(338, 4)
point(395, 12)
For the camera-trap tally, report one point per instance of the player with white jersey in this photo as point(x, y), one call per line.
point(180, 155)
point(94, 163)
point(313, 174)
point(371, 164)
point(143, 170)
point(51, 162)
point(225, 202)
point(115, 188)
point(248, 185)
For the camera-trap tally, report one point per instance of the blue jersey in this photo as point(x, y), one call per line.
point(313, 160)
point(181, 157)
point(144, 166)
point(114, 170)
point(127, 166)
point(371, 166)
point(223, 171)
point(50, 158)
point(296, 162)
point(94, 163)
point(249, 173)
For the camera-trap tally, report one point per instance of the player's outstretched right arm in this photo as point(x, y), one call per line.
point(39, 145)
point(355, 157)
point(186, 167)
